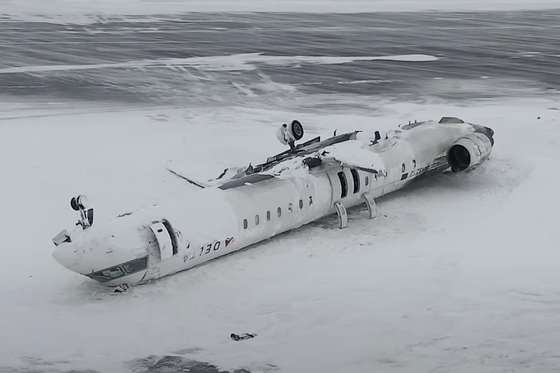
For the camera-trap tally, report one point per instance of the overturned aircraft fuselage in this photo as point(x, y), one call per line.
point(301, 185)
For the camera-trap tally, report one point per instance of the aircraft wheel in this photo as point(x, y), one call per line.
point(297, 130)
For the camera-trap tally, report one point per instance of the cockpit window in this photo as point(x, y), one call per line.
point(115, 272)
point(136, 265)
point(107, 274)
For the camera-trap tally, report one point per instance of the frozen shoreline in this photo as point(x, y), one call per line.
point(82, 11)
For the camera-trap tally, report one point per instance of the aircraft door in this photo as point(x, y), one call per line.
point(345, 185)
point(336, 184)
point(164, 239)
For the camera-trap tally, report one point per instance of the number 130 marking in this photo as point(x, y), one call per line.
point(208, 248)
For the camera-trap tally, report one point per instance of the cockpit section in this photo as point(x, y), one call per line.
point(121, 270)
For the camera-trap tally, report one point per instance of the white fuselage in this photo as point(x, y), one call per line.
point(214, 222)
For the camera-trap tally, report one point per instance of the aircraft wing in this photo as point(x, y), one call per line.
point(192, 181)
point(345, 150)
point(184, 171)
point(352, 154)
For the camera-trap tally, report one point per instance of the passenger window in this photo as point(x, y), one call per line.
point(403, 168)
point(356, 179)
point(300, 204)
point(268, 215)
point(310, 200)
point(343, 184)
point(290, 207)
point(245, 223)
point(279, 211)
point(257, 220)
point(367, 180)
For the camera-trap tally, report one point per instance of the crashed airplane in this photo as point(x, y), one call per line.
point(244, 206)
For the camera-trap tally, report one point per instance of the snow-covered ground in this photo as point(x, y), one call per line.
point(314, 6)
point(458, 273)
point(77, 11)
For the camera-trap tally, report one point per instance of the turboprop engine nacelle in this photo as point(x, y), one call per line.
point(469, 151)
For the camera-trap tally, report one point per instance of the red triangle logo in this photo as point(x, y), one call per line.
point(228, 241)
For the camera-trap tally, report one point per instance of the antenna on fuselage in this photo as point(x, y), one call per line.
point(80, 204)
point(289, 134)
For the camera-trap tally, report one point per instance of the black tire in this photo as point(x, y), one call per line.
point(297, 130)
point(74, 204)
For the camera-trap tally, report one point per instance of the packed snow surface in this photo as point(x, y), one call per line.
point(457, 273)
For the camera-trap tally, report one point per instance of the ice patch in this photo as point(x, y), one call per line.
point(370, 81)
point(236, 62)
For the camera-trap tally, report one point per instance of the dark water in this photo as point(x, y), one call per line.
point(480, 55)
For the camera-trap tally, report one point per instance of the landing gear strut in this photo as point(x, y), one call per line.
point(342, 215)
point(80, 204)
point(371, 205)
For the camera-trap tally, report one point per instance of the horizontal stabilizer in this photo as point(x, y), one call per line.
point(193, 182)
point(181, 171)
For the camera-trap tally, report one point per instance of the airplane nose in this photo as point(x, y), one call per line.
point(66, 255)
point(105, 252)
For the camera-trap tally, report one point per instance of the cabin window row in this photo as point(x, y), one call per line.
point(278, 212)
